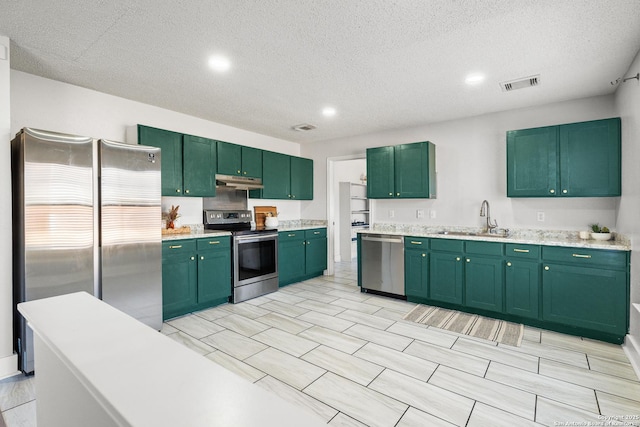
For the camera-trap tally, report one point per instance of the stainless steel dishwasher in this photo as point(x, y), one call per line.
point(382, 263)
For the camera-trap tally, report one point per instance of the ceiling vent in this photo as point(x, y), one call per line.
point(304, 127)
point(520, 83)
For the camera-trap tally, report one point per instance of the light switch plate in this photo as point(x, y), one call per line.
point(420, 213)
point(3, 52)
point(540, 216)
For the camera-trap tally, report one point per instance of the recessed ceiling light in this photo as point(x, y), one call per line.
point(328, 111)
point(219, 63)
point(474, 79)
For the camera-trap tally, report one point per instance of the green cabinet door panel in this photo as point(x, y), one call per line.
point(412, 170)
point(214, 275)
point(229, 158)
point(590, 298)
point(316, 256)
point(380, 173)
point(416, 271)
point(590, 159)
point(291, 259)
point(276, 175)
point(301, 178)
point(522, 284)
point(171, 156)
point(179, 281)
point(484, 283)
point(532, 162)
point(446, 277)
point(199, 166)
point(251, 162)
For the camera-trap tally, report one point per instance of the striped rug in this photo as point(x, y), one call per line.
point(473, 325)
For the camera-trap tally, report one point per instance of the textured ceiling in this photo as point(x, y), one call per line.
point(382, 64)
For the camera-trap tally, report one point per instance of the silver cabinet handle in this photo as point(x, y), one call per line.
point(526, 251)
point(316, 232)
point(175, 246)
point(581, 256)
point(291, 235)
point(415, 243)
point(214, 242)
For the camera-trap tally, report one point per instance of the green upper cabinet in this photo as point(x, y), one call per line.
point(229, 158)
point(188, 163)
point(572, 160)
point(276, 176)
point(285, 177)
point(239, 160)
point(251, 162)
point(199, 166)
point(401, 171)
point(301, 178)
point(380, 174)
point(171, 156)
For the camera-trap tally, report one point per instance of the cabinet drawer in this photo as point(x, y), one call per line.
point(580, 256)
point(447, 245)
point(178, 246)
point(316, 233)
point(484, 248)
point(522, 251)
point(416, 243)
point(220, 242)
point(284, 236)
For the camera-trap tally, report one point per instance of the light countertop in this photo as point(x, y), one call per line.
point(196, 234)
point(146, 378)
point(532, 237)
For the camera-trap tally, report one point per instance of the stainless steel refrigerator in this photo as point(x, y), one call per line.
point(86, 217)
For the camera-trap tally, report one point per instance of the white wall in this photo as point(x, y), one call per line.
point(48, 104)
point(627, 101)
point(471, 166)
point(8, 361)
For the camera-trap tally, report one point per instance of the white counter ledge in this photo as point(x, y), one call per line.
point(197, 234)
point(97, 366)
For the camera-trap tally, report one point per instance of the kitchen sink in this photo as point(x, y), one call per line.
point(470, 233)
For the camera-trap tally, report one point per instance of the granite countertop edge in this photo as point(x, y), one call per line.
point(564, 239)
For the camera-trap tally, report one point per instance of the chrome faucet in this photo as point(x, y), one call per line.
point(485, 210)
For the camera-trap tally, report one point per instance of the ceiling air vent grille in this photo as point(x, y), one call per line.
point(520, 83)
point(303, 127)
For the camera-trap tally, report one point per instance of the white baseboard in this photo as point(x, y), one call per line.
point(9, 366)
point(631, 348)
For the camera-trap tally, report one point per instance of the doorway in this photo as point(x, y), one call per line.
point(351, 168)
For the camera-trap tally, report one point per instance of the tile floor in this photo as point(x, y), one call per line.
point(349, 358)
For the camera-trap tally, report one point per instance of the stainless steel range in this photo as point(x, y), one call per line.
point(254, 253)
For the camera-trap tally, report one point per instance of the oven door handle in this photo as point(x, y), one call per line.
point(255, 238)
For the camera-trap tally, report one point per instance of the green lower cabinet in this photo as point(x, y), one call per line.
point(179, 277)
point(291, 256)
point(446, 277)
point(316, 251)
point(484, 283)
point(416, 273)
point(214, 276)
point(196, 274)
point(583, 297)
point(522, 285)
point(302, 254)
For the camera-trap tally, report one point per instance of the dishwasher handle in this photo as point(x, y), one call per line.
point(384, 239)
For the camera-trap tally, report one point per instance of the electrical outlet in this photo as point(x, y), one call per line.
point(541, 216)
point(392, 213)
point(432, 214)
point(420, 213)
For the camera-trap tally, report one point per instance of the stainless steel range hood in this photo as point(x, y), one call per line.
point(239, 182)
